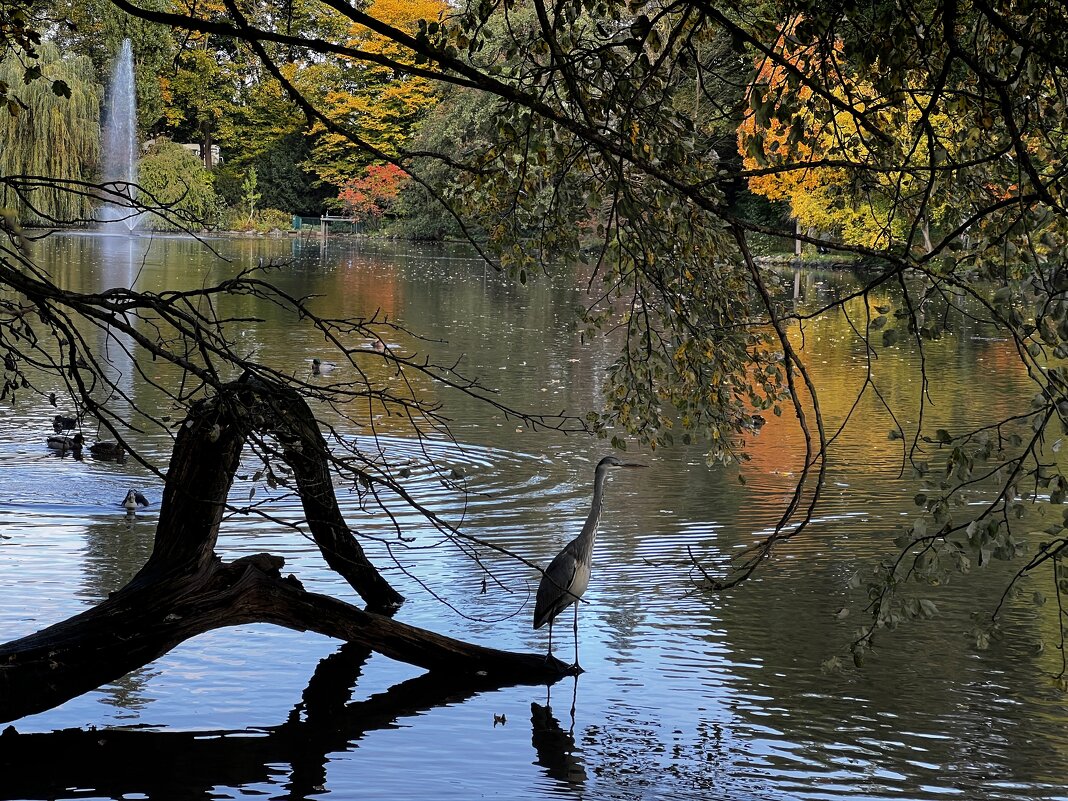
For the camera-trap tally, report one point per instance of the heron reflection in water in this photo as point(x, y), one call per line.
point(568, 575)
point(556, 748)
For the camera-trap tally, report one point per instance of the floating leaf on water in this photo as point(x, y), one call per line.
point(832, 665)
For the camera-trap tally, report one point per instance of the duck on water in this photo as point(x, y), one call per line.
point(64, 445)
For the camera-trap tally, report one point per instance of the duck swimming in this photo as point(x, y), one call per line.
point(61, 423)
point(107, 451)
point(133, 498)
point(322, 368)
point(64, 445)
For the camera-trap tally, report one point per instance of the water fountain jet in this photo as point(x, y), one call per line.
point(120, 150)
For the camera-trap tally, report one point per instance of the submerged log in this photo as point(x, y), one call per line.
point(184, 589)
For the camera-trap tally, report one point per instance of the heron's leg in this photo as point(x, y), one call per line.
point(576, 633)
point(550, 638)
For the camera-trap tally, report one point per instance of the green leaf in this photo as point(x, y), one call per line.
point(61, 89)
point(928, 608)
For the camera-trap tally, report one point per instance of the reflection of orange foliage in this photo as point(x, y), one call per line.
point(836, 360)
point(778, 448)
point(376, 290)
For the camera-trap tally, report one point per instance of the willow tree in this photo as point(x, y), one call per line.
point(51, 132)
point(175, 177)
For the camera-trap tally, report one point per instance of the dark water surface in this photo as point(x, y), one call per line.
point(686, 695)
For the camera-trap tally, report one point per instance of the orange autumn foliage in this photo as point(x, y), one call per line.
point(371, 195)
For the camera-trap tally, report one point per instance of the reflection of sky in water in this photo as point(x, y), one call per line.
point(685, 695)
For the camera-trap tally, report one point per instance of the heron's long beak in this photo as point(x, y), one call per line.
point(633, 464)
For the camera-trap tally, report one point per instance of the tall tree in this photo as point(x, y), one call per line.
point(825, 161)
point(49, 143)
point(268, 133)
point(381, 102)
point(96, 29)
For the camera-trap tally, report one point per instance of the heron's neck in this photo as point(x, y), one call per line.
point(590, 529)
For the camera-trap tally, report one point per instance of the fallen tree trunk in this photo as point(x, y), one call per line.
point(184, 589)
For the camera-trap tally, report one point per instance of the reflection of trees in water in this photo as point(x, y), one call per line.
point(193, 765)
point(115, 549)
point(900, 710)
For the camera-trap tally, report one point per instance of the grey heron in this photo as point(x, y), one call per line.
point(568, 574)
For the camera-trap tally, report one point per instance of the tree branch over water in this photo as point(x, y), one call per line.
point(185, 590)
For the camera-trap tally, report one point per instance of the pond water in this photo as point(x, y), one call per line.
point(685, 694)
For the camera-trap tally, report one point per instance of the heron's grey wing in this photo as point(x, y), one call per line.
point(141, 499)
point(553, 596)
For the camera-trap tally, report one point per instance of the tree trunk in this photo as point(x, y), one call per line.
point(206, 141)
point(184, 589)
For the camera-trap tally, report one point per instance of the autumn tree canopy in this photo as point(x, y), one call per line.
point(373, 193)
point(801, 149)
point(380, 102)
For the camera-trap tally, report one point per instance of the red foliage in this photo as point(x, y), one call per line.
point(372, 194)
